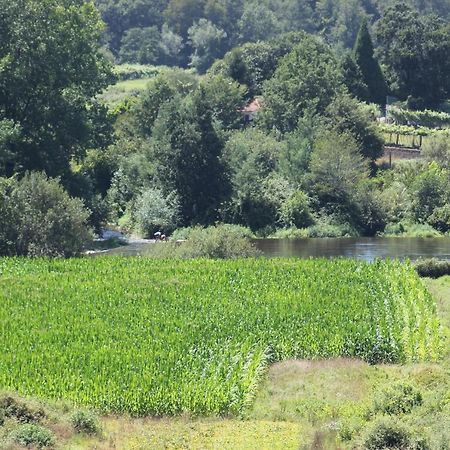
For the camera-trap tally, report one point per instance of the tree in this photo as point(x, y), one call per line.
point(430, 191)
point(181, 15)
point(369, 67)
point(336, 170)
point(38, 218)
point(51, 71)
point(207, 41)
point(416, 53)
point(252, 156)
point(170, 46)
point(258, 23)
point(188, 154)
point(155, 211)
point(347, 115)
point(353, 78)
point(308, 78)
point(226, 98)
point(140, 45)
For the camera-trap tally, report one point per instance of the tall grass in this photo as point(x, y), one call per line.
point(168, 336)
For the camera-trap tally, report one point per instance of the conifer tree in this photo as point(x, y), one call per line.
point(368, 65)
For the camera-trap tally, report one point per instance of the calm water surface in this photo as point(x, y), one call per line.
point(359, 248)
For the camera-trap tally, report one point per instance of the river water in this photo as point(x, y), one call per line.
point(360, 248)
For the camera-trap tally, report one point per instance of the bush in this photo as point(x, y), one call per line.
point(440, 219)
point(85, 422)
point(295, 211)
point(39, 218)
point(331, 230)
point(23, 411)
point(398, 398)
point(406, 229)
point(154, 211)
point(216, 242)
point(432, 268)
point(30, 434)
point(387, 433)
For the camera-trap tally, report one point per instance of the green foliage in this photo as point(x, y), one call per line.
point(51, 71)
point(237, 231)
point(85, 422)
point(295, 211)
point(410, 230)
point(206, 40)
point(140, 45)
point(347, 115)
point(35, 435)
point(372, 75)
point(195, 336)
point(40, 219)
point(336, 168)
point(430, 191)
point(306, 79)
point(188, 152)
point(257, 23)
point(397, 398)
point(126, 72)
point(353, 78)
point(427, 118)
point(415, 50)
point(153, 211)
point(437, 149)
point(432, 268)
point(440, 218)
point(226, 98)
point(388, 433)
point(254, 63)
point(214, 242)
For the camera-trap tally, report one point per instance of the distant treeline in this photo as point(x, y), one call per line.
point(179, 32)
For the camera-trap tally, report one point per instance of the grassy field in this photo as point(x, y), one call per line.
point(168, 337)
point(123, 90)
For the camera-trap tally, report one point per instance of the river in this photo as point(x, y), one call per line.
point(360, 248)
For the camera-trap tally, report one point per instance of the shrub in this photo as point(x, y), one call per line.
point(295, 211)
point(216, 242)
point(406, 229)
point(85, 422)
point(154, 211)
point(387, 433)
point(398, 398)
point(330, 230)
point(432, 268)
point(30, 434)
point(440, 219)
point(40, 218)
point(21, 410)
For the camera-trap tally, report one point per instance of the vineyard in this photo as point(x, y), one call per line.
point(164, 337)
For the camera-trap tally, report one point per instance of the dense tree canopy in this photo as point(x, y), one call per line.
point(415, 50)
point(50, 71)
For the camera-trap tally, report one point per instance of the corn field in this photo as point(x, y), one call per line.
point(170, 336)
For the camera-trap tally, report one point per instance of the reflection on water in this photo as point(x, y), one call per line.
point(360, 248)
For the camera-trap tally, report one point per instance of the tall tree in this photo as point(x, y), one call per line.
point(50, 72)
point(369, 67)
point(307, 80)
point(188, 153)
point(415, 50)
